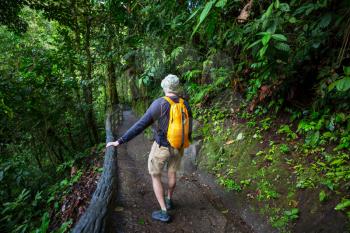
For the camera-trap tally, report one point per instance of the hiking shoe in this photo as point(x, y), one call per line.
point(161, 215)
point(168, 203)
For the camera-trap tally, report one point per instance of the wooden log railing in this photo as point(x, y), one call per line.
point(95, 219)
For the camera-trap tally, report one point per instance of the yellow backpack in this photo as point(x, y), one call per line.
point(179, 124)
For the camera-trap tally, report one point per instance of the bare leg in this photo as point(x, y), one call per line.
point(158, 190)
point(171, 183)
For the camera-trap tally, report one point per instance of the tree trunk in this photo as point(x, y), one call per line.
point(111, 79)
point(87, 87)
point(83, 115)
point(70, 137)
point(81, 68)
point(133, 88)
point(36, 154)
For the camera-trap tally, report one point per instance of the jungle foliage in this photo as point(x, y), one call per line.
point(63, 63)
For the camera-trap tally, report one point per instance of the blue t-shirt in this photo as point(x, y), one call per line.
point(157, 113)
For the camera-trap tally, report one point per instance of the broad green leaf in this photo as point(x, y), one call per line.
point(203, 15)
point(292, 20)
point(340, 117)
point(295, 211)
point(279, 37)
point(193, 15)
point(343, 204)
point(272, 26)
point(291, 212)
point(331, 86)
point(265, 40)
point(322, 196)
point(262, 33)
point(262, 51)
point(45, 220)
point(282, 46)
point(255, 43)
point(206, 10)
point(325, 21)
point(221, 3)
point(268, 12)
point(284, 7)
point(277, 4)
point(343, 84)
point(346, 70)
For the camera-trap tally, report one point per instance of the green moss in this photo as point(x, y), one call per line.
point(232, 155)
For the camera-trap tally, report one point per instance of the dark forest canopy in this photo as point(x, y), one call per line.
point(64, 63)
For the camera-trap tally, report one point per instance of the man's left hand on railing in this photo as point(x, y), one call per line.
point(116, 143)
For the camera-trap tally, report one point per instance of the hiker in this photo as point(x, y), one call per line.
point(170, 140)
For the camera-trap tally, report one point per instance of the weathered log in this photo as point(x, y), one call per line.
point(95, 219)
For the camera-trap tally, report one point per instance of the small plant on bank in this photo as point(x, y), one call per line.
point(229, 184)
point(284, 149)
point(288, 216)
point(285, 129)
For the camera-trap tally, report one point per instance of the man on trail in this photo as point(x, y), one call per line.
point(172, 131)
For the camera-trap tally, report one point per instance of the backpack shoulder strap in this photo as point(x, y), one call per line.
point(170, 101)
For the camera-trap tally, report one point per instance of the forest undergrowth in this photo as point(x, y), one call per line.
point(267, 79)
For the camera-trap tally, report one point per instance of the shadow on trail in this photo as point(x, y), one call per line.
point(197, 209)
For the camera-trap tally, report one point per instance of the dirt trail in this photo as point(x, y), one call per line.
point(197, 209)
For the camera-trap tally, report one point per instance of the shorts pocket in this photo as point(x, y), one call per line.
point(162, 153)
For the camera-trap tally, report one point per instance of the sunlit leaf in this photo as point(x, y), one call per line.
point(343, 204)
point(279, 37)
point(265, 40)
point(221, 3)
point(277, 4)
point(341, 84)
point(203, 15)
point(193, 15)
point(262, 51)
point(322, 196)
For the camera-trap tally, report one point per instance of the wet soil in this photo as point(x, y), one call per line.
point(197, 206)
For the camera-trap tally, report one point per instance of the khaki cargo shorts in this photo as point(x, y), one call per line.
point(160, 156)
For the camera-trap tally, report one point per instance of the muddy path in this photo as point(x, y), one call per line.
point(197, 208)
